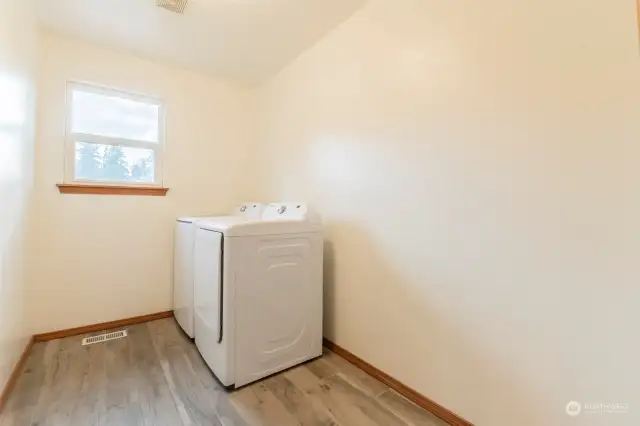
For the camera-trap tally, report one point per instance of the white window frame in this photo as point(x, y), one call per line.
point(72, 137)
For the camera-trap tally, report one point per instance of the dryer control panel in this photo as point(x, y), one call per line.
point(287, 211)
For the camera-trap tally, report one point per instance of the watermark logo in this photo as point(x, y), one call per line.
point(574, 408)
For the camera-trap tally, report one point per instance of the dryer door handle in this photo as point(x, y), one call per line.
point(221, 289)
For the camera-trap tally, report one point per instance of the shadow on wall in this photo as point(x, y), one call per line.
point(14, 197)
point(440, 344)
point(329, 278)
point(16, 170)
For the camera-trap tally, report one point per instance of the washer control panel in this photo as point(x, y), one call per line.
point(249, 210)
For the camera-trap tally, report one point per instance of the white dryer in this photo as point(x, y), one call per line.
point(258, 292)
point(184, 241)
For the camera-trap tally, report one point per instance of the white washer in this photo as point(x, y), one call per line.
point(185, 234)
point(258, 292)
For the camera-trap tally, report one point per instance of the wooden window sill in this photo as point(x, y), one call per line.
point(65, 188)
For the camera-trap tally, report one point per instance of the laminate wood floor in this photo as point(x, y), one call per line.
point(156, 377)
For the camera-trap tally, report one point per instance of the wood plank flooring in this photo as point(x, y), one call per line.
point(156, 377)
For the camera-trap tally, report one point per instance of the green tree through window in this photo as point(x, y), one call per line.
point(115, 164)
point(88, 161)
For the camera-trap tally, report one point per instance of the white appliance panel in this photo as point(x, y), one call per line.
point(278, 303)
point(183, 276)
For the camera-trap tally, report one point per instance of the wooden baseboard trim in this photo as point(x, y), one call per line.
point(102, 326)
point(15, 374)
point(434, 408)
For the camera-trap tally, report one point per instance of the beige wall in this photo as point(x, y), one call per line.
point(476, 164)
point(101, 258)
point(17, 95)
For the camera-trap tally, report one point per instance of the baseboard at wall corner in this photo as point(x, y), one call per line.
point(13, 378)
point(43, 337)
point(68, 333)
point(414, 396)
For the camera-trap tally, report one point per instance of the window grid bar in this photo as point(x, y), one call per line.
point(106, 140)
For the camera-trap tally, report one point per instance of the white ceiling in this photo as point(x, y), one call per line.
point(249, 40)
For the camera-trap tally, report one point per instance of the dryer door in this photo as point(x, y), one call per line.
point(209, 306)
point(278, 303)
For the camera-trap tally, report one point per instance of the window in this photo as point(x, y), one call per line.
point(113, 137)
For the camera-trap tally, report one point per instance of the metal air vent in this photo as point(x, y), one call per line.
point(176, 6)
point(104, 337)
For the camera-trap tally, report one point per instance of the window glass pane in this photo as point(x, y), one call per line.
point(111, 116)
point(114, 163)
